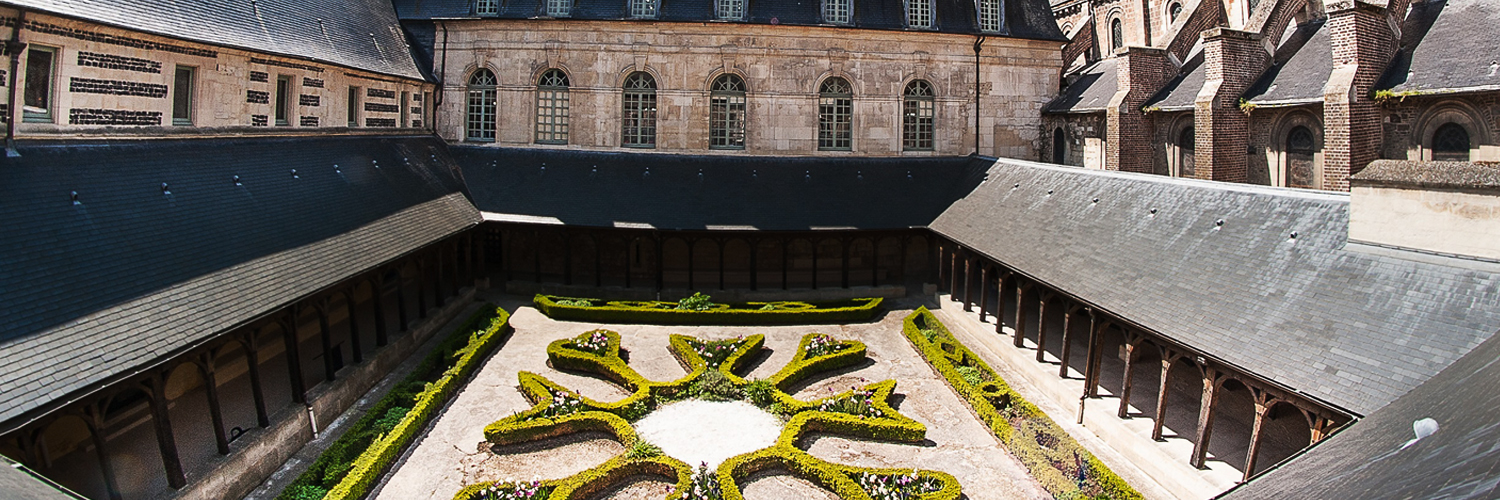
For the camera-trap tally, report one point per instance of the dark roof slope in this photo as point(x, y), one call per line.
point(1022, 18)
point(1303, 63)
point(1090, 91)
point(1352, 328)
point(1181, 94)
point(1447, 46)
point(162, 248)
point(1370, 460)
point(362, 34)
point(669, 191)
point(21, 484)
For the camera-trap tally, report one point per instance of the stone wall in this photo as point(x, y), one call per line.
point(1409, 122)
point(782, 67)
point(1077, 128)
point(113, 81)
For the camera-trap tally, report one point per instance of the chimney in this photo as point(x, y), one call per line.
point(1363, 44)
point(1232, 60)
point(1449, 208)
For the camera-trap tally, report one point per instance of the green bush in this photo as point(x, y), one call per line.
point(670, 313)
point(714, 386)
point(347, 469)
point(761, 393)
point(1052, 456)
point(642, 449)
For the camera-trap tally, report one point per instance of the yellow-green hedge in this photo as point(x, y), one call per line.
point(613, 418)
point(1017, 422)
point(665, 313)
point(439, 375)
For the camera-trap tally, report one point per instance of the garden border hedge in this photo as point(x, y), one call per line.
point(622, 312)
point(993, 399)
point(613, 418)
point(451, 361)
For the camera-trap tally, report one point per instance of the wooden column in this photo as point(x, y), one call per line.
point(968, 283)
point(215, 410)
point(1067, 339)
point(598, 264)
point(754, 263)
point(1212, 380)
point(164, 438)
point(1020, 336)
point(327, 339)
point(953, 275)
point(1322, 426)
point(937, 263)
point(815, 266)
point(536, 256)
point(1091, 361)
point(692, 271)
point(294, 356)
point(720, 244)
point(1000, 294)
point(421, 289)
point(1263, 405)
point(567, 240)
point(660, 274)
point(1132, 341)
point(504, 250)
point(93, 418)
point(401, 314)
point(844, 263)
point(257, 391)
point(874, 261)
point(901, 262)
point(1041, 327)
point(629, 261)
point(984, 293)
point(352, 309)
point(377, 297)
point(1168, 358)
point(785, 257)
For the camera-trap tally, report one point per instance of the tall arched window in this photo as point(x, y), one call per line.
point(919, 14)
point(916, 116)
point(837, 11)
point(730, 10)
point(480, 124)
point(1059, 146)
point(835, 115)
point(643, 8)
point(638, 129)
point(1174, 12)
point(1450, 143)
point(1186, 153)
point(726, 113)
point(989, 15)
point(1116, 34)
point(552, 108)
point(1300, 162)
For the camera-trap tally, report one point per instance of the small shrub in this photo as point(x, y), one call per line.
point(767, 307)
point(821, 345)
point(634, 411)
point(714, 386)
point(392, 417)
point(714, 352)
point(705, 485)
point(515, 491)
point(930, 334)
point(971, 375)
point(858, 403)
point(596, 342)
point(306, 492)
point(562, 404)
point(761, 393)
point(575, 302)
point(698, 302)
point(643, 449)
point(898, 486)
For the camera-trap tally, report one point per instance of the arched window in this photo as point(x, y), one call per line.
point(730, 10)
point(1299, 140)
point(643, 8)
point(837, 11)
point(835, 115)
point(1186, 155)
point(486, 7)
point(989, 15)
point(1059, 146)
point(1174, 12)
point(1450, 143)
point(919, 14)
point(552, 108)
point(638, 129)
point(480, 124)
point(1116, 34)
point(726, 113)
point(559, 8)
point(916, 116)
point(1300, 162)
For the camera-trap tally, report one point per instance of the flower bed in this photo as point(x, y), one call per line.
point(860, 412)
point(694, 311)
point(1053, 457)
point(353, 463)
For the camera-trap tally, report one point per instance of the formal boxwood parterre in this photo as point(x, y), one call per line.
point(1055, 459)
point(698, 310)
point(860, 412)
point(352, 464)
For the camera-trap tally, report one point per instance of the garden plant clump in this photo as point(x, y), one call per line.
point(823, 344)
point(509, 490)
point(705, 485)
point(714, 352)
point(592, 341)
point(698, 302)
point(857, 402)
point(700, 309)
point(897, 487)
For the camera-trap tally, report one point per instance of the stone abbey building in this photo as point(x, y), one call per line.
point(224, 222)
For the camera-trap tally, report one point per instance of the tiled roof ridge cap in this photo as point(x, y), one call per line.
point(1199, 183)
point(1430, 174)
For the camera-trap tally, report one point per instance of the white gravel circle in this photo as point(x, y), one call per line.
point(697, 431)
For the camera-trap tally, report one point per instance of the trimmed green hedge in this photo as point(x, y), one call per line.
point(347, 469)
point(541, 422)
point(1053, 457)
point(750, 313)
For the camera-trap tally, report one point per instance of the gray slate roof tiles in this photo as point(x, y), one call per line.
point(1303, 63)
point(1090, 92)
point(1352, 328)
point(131, 273)
point(362, 34)
point(1181, 93)
point(1447, 46)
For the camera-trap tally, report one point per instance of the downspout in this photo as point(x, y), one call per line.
point(15, 47)
point(437, 98)
point(978, 45)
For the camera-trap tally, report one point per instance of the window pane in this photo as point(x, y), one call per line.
point(38, 99)
point(989, 15)
point(836, 11)
point(182, 97)
point(559, 8)
point(638, 118)
point(283, 86)
point(353, 106)
point(733, 10)
point(643, 8)
point(919, 13)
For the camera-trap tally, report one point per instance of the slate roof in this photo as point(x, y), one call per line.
point(1429, 175)
point(1352, 328)
point(362, 34)
point(1181, 94)
point(130, 273)
point(1460, 461)
point(1023, 18)
point(18, 484)
point(1447, 46)
point(1302, 65)
point(1090, 91)
point(732, 192)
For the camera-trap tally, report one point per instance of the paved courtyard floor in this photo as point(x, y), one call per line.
point(453, 453)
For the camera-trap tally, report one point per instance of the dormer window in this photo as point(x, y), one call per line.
point(989, 16)
point(486, 7)
point(837, 11)
point(643, 9)
point(919, 14)
point(559, 8)
point(730, 10)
